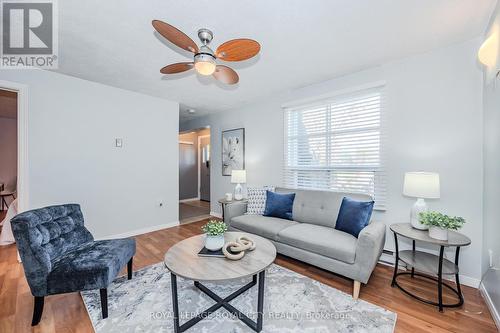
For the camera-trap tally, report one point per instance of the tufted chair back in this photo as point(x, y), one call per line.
point(44, 234)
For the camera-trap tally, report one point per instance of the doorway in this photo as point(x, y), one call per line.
point(8, 162)
point(194, 175)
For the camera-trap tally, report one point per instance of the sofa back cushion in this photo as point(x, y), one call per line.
point(317, 206)
point(44, 234)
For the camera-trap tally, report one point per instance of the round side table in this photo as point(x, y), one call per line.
point(428, 264)
point(224, 202)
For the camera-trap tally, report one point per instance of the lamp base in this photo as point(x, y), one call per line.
point(238, 195)
point(419, 207)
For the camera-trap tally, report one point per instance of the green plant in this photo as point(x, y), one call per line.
point(440, 220)
point(214, 228)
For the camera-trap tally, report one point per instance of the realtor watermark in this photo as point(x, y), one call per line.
point(29, 31)
point(296, 316)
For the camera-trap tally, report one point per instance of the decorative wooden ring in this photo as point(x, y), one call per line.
point(240, 247)
point(229, 255)
point(247, 241)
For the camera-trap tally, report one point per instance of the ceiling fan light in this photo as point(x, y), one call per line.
point(204, 64)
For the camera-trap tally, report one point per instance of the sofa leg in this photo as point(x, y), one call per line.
point(104, 302)
point(37, 310)
point(355, 290)
point(129, 269)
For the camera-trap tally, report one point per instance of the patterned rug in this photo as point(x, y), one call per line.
point(293, 303)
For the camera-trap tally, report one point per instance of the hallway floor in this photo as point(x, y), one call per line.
point(192, 211)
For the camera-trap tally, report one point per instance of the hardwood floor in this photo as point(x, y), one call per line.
point(66, 313)
point(192, 211)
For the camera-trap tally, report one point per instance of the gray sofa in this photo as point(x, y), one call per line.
point(311, 236)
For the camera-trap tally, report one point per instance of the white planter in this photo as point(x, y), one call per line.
point(438, 233)
point(214, 243)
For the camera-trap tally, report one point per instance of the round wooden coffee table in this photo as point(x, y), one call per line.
point(182, 260)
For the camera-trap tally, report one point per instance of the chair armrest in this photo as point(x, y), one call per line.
point(369, 248)
point(234, 209)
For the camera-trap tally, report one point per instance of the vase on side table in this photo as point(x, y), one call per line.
point(438, 233)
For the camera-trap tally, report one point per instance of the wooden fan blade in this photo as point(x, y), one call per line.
point(238, 49)
point(177, 68)
point(175, 36)
point(226, 75)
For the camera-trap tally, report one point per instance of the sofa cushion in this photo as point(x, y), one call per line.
point(264, 226)
point(321, 240)
point(90, 266)
point(319, 207)
point(354, 216)
point(279, 205)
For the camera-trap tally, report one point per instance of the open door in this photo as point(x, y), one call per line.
point(194, 175)
point(204, 149)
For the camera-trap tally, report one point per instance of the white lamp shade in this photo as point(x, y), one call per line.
point(488, 53)
point(238, 176)
point(423, 185)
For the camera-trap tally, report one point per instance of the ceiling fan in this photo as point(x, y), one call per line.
point(204, 61)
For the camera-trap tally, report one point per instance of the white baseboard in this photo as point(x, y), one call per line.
point(468, 281)
point(190, 199)
point(491, 306)
point(215, 214)
point(142, 230)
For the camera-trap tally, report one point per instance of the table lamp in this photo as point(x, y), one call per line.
point(420, 185)
point(238, 177)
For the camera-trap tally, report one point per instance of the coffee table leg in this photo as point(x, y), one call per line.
point(175, 302)
point(260, 301)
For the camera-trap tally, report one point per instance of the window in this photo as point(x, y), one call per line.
point(335, 144)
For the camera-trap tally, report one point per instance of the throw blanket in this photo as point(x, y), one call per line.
point(6, 236)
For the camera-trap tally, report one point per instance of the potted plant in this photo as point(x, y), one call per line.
point(439, 224)
point(214, 234)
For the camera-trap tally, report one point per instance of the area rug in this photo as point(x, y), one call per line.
point(293, 303)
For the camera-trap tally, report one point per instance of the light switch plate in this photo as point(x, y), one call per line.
point(119, 142)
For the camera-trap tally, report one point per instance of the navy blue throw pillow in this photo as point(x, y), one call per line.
point(354, 216)
point(279, 205)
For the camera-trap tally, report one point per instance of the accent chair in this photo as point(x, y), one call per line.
point(60, 255)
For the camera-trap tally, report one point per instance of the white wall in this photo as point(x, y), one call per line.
point(491, 229)
point(72, 126)
point(8, 151)
point(492, 153)
point(434, 123)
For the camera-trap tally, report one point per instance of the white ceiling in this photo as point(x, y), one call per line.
point(303, 42)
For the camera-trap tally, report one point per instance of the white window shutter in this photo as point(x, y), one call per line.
point(336, 144)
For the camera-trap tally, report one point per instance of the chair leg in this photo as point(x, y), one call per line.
point(104, 302)
point(4, 202)
point(129, 268)
point(37, 310)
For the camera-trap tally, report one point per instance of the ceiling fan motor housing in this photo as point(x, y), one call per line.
point(205, 36)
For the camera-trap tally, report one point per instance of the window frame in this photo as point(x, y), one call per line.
point(378, 171)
